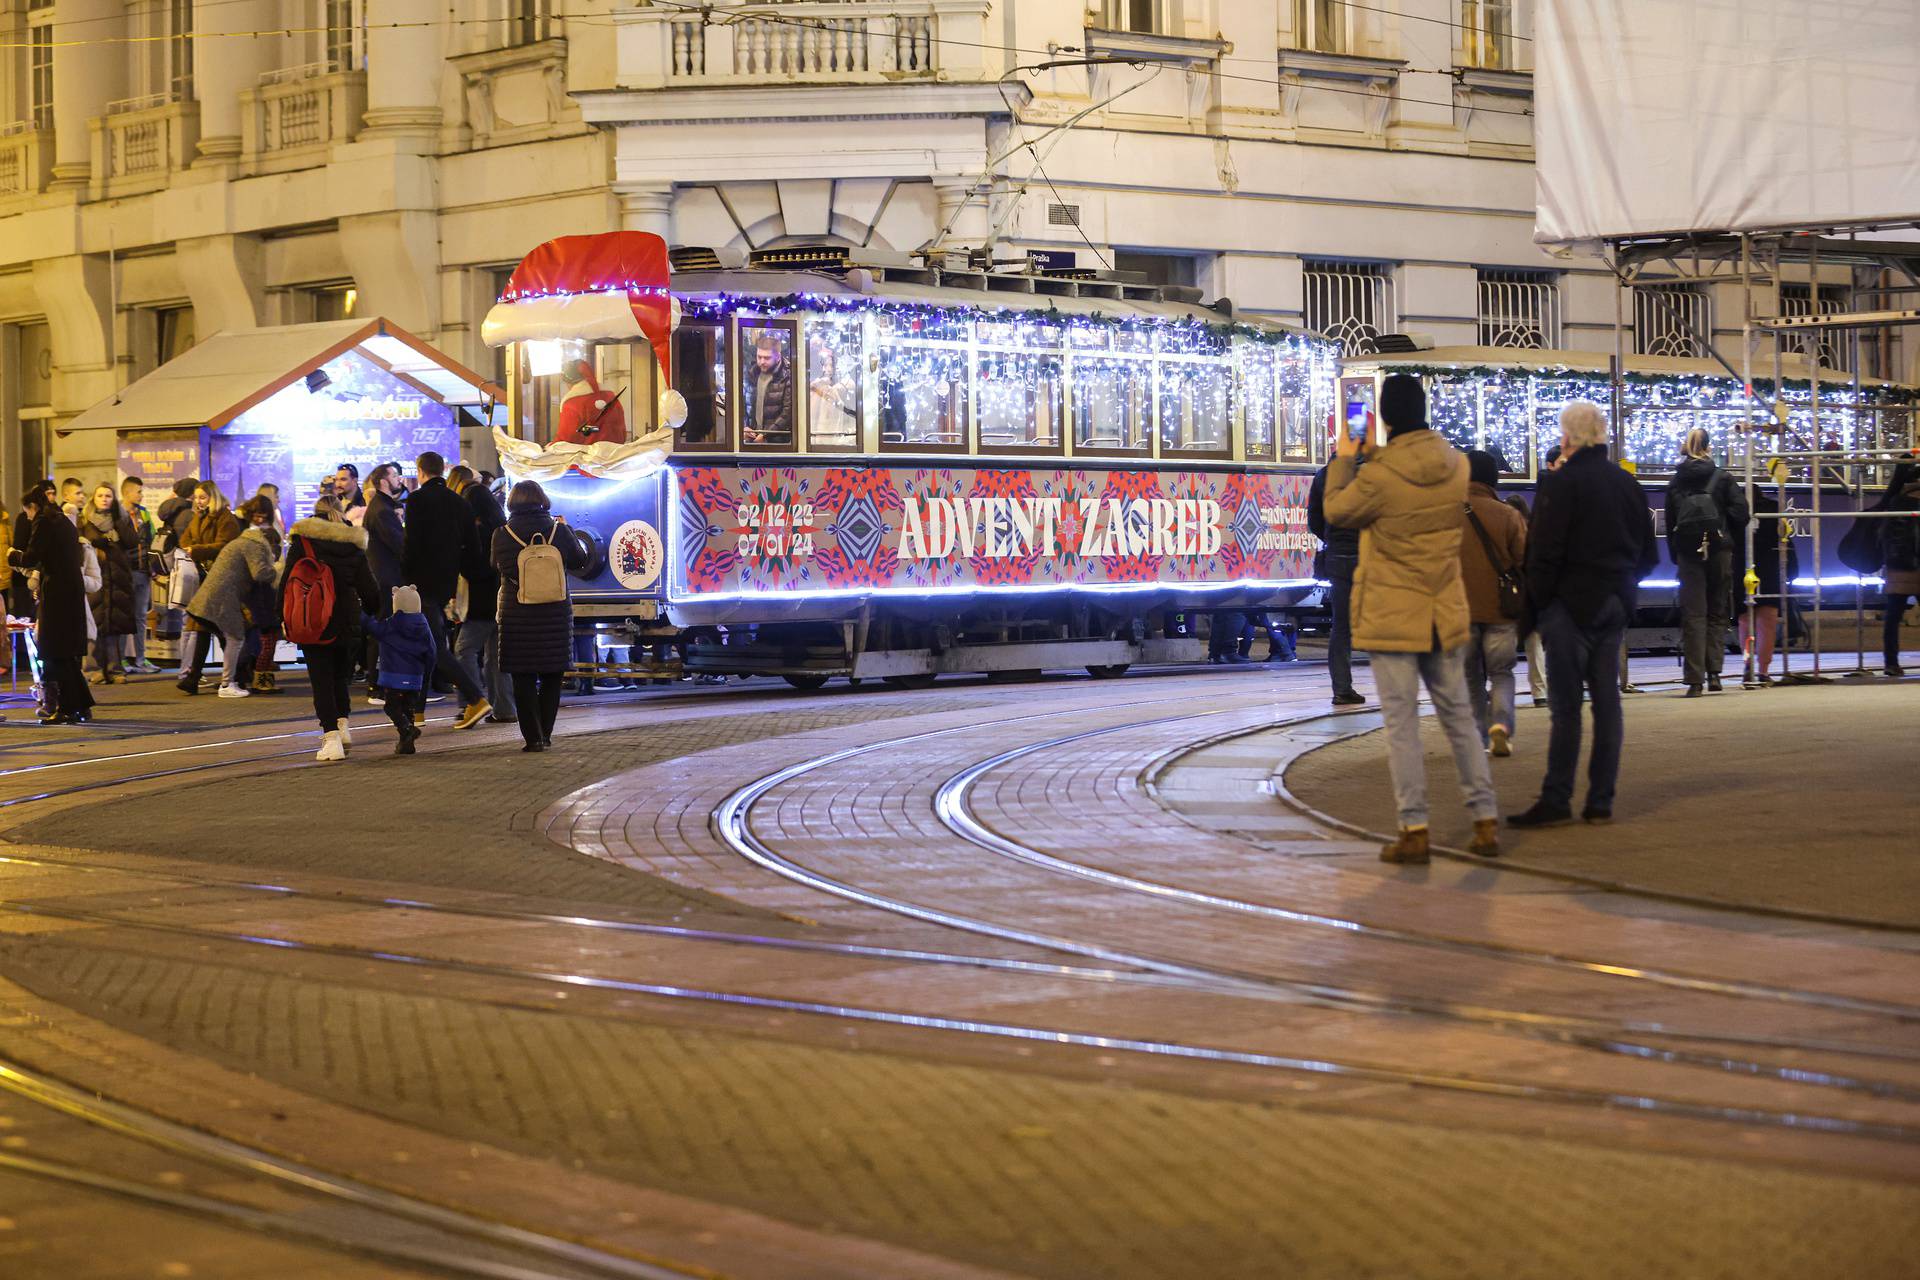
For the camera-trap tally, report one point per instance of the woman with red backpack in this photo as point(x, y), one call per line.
point(327, 586)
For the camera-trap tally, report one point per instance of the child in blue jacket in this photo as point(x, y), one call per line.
point(406, 664)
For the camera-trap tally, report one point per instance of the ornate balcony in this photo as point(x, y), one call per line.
point(140, 142)
point(296, 114)
point(26, 159)
point(808, 42)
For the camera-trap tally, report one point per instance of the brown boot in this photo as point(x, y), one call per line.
point(1486, 837)
point(1410, 848)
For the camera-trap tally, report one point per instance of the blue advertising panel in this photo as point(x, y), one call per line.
point(622, 519)
point(298, 438)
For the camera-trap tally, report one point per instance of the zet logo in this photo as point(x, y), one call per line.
point(636, 554)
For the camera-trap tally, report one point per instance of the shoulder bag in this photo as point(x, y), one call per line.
point(1506, 577)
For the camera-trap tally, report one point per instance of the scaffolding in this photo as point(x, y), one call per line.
point(1837, 438)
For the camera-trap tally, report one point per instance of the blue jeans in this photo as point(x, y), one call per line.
point(1491, 654)
point(1397, 678)
point(477, 646)
point(1340, 570)
point(1583, 660)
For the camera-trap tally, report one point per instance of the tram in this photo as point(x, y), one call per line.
point(828, 462)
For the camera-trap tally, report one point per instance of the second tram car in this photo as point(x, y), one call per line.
point(871, 469)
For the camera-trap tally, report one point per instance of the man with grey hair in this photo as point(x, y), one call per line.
point(1590, 544)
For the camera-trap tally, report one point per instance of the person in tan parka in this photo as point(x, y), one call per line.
point(1409, 606)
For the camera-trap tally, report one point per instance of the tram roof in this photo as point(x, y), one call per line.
point(986, 290)
point(1794, 367)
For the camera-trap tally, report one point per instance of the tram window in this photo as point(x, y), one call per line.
point(1453, 411)
point(833, 384)
point(547, 370)
point(1294, 407)
point(1503, 417)
point(1196, 407)
point(766, 384)
point(1255, 364)
point(1019, 398)
point(1112, 409)
point(700, 374)
point(923, 397)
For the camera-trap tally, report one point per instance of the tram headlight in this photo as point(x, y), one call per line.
point(543, 358)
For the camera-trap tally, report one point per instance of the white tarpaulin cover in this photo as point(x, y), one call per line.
point(1668, 116)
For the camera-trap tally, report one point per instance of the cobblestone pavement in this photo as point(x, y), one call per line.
point(1125, 1088)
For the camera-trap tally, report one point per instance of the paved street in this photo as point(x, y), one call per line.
point(1066, 978)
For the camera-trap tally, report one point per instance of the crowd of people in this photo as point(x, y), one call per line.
point(410, 583)
point(1442, 583)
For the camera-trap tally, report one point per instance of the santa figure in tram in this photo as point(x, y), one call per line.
point(588, 414)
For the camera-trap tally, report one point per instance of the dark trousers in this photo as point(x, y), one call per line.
point(1706, 611)
point(445, 664)
point(1896, 609)
point(537, 699)
point(1340, 570)
point(330, 668)
point(67, 686)
point(1279, 642)
point(1583, 659)
point(400, 706)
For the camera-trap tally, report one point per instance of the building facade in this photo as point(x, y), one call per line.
point(172, 168)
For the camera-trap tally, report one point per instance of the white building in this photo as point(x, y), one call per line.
point(170, 171)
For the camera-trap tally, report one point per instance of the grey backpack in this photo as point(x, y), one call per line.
point(542, 573)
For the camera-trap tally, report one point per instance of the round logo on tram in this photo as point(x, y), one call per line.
point(636, 555)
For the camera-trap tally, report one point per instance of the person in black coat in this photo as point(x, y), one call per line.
point(536, 640)
point(328, 538)
point(105, 526)
point(1590, 543)
point(386, 544)
point(441, 537)
point(1703, 558)
point(478, 643)
point(1338, 564)
point(20, 599)
point(52, 548)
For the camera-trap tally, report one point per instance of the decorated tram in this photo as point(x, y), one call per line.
point(823, 463)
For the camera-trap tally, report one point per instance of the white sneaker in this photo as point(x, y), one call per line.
point(331, 748)
point(235, 691)
point(376, 702)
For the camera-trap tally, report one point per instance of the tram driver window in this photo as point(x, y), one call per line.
point(766, 385)
point(833, 384)
point(700, 374)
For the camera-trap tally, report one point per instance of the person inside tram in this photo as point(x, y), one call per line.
point(769, 391)
point(588, 414)
point(832, 399)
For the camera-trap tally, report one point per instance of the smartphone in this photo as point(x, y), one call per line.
point(1356, 419)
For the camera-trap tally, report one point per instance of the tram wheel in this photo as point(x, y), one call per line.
point(1112, 672)
point(807, 683)
point(921, 681)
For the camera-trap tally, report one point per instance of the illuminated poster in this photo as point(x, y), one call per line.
point(800, 529)
point(298, 438)
point(159, 460)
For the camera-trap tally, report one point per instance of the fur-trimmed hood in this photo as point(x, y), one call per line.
point(329, 531)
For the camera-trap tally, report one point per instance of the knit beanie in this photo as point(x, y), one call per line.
point(1403, 404)
point(406, 600)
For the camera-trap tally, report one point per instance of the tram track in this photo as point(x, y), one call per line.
point(1476, 1084)
point(731, 817)
point(339, 1214)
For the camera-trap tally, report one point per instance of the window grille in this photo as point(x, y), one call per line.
point(1486, 34)
point(1351, 303)
point(1323, 26)
point(1797, 300)
point(1519, 309)
point(1671, 320)
point(1063, 215)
